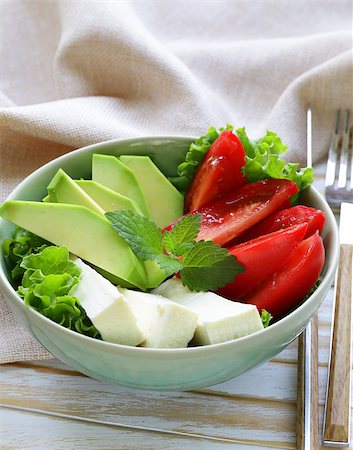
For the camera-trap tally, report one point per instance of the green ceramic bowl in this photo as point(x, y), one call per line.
point(159, 369)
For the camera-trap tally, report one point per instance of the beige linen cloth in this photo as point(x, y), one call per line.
point(74, 73)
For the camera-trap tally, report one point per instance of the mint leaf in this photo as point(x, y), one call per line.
point(169, 264)
point(141, 233)
point(203, 265)
point(183, 234)
point(144, 238)
point(265, 317)
point(204, 254)
point(208, 266)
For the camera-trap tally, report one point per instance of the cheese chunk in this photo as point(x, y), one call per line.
point(107, 308)
point(219, 319)
point(164, 323)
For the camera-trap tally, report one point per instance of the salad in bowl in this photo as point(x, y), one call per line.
point(168, 263)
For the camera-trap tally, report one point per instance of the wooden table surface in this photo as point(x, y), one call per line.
point(47, 405)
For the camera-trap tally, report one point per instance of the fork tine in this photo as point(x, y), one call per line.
point(343, 175)
point(332, 154)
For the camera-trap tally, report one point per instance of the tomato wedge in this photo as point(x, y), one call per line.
point(261, 258)
point(315, 219)
point(218, 173)
point(234, 213)
point(286, 288)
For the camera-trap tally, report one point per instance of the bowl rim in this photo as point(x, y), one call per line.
point(11, 293)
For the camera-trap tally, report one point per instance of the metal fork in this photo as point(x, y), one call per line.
point(339, 171)
point(307, 424)
point(339, 190)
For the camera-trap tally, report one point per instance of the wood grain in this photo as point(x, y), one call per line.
point(44, 432)
point(314, 380)
point(222, 417)
point(311, 378)
point(300, 410)
point(337, 416)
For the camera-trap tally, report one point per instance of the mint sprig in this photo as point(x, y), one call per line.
point(144, 238)
point(203, 265)
point(208, 266)
point(183, 235)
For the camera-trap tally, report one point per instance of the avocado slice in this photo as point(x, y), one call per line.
point(85, 234)
point(106, 198)
point(164, 201)
point(112, 173)
point(63, 189)
point(155, 275)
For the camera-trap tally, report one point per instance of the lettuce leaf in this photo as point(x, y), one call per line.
point(194, 156)
point(263, 160)
point(47, 283)
point(52, 260)
point(266, 318)
point(14, 249)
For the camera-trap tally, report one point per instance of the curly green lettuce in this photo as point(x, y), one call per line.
point(266, 318)
point(14, 249)
point(195, 154)
point(263, 160)
point(48, 282)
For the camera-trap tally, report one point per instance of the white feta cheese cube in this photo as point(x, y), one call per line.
point(107, 308)
point(164, 323)
point(219, 319)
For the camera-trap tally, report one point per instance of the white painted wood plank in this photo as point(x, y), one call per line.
point(222, 416)
point(41, 432)
point(246, 385)
point(231, 413)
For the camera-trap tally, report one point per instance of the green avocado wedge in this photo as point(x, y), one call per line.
point(115, 175)
point(63, 189)
point(164, 201)
point(155, 275)
point(85, 234)
point(106, 198)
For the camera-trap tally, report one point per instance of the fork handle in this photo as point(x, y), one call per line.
point(307, 423)
point(337, 408)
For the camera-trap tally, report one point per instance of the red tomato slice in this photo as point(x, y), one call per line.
point(219, 172)
point(234, 213)
point(261, 258)
point(315, 219)
point(286, 288)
